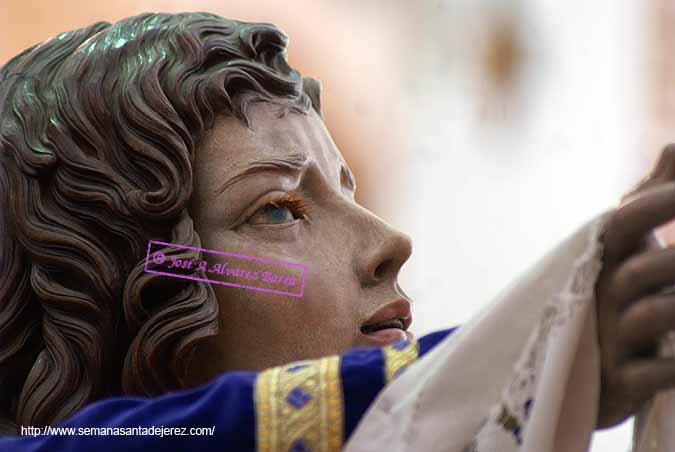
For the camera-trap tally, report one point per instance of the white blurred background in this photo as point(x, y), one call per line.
point(486, 129)
point(528, 120)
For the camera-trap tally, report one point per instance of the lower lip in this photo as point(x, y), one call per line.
point(387, 336)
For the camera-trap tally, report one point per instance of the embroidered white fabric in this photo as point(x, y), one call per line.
point(522, 375)
point(507, 422)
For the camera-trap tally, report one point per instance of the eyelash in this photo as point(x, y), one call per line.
point(299, 206)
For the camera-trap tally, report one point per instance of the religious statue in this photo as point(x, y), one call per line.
point(181, 139)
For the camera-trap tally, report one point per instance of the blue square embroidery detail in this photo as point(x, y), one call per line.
point(299, 446)
point(298, 397)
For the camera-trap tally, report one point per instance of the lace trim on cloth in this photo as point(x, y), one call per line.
point(504, 428)
point(299, 407)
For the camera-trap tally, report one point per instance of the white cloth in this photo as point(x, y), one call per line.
point(522, 375)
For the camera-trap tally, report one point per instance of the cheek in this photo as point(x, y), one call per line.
point(268, 328)
point(319, 323)
point(329, 302)
point(324, 311)
point(329, 314)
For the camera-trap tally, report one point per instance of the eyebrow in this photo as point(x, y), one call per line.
point(289, 163)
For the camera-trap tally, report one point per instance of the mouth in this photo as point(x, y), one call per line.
point(390, 324)
point(393, 323)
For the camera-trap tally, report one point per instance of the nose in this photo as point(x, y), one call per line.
point(384, 250)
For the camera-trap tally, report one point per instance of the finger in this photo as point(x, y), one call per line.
point(663, 171)
point(630, 224)
point(639, 276)
point(645, 322)
point(642, 379)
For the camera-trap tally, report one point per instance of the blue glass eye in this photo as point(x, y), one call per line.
point(278, 214)
point(273, 214)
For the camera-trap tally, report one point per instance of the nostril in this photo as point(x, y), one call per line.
point(382, 269)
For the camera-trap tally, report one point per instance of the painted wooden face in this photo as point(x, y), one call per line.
point(281, 190)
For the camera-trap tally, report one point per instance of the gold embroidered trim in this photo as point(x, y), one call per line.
point(397, 357)
point(299, 407)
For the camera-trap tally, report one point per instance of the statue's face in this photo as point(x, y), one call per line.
point(353, 257)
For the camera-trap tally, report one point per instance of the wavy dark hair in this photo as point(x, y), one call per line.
point(98, 132)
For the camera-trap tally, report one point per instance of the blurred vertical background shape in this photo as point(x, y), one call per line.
point(486, 129)
point(529, 118)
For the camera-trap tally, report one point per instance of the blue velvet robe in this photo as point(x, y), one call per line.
point(305, 406)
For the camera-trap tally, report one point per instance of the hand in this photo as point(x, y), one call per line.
point(633, 311)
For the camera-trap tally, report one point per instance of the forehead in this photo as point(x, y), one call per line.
point(230, 146)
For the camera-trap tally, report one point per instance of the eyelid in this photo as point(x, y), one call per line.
point(257, 205)
point(273, 226)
